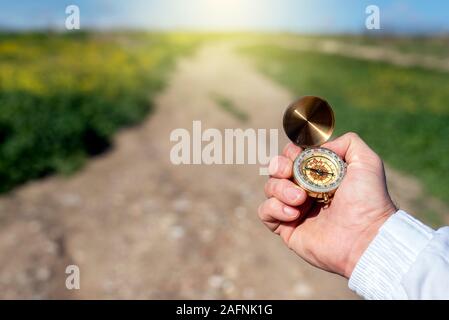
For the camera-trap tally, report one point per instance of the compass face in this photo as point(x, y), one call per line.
point(319, 170)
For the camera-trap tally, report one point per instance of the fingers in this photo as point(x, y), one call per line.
point(285, 191)
point(291, 151)
point(280, 167)
point(280, 218)
point(286, 200)
point(352, 148)
point(272, 212)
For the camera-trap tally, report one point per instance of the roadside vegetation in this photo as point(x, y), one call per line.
point(62, 97)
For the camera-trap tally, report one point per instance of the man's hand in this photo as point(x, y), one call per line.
point(332, 238)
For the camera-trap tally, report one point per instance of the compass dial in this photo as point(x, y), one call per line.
point(319, 170)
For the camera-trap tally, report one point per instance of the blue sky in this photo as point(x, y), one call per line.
point(323, 16)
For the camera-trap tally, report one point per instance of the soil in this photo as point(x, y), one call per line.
point(140, 227)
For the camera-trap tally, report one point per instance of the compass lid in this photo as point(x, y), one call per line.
point(309, 121)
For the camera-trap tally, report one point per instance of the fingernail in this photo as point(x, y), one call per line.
point(273, 167)
point(291, 212)
point(293, 194)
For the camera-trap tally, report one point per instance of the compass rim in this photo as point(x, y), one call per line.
point(298, 176)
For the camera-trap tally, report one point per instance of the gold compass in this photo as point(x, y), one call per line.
point(309, 122)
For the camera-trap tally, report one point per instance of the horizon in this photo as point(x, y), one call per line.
point(282, 16)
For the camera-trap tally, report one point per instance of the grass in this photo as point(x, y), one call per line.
point(436, 46)
point(228, 106)
point(403, 113)
point(62, 96)
point(430, 46)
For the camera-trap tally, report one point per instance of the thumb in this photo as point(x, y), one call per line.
point(352, 148)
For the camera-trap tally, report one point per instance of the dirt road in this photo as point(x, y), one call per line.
point(139, 227)
point(368, 52)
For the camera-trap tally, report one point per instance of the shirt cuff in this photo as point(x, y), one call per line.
point(389, 256)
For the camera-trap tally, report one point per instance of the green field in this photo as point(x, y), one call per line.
point(403, 113)
point(63, 96)
point(437, 46)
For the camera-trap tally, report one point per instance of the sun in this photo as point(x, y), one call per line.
point(226, 14)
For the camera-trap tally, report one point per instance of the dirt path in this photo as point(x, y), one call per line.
point(368, 52)
point(140, 227)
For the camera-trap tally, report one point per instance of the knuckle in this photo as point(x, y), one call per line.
point(283, 184)
point(284, 168)
point(269, 187)
point(352, 135)
point(281, 164)
point(286, 148)
point(272, 204)
point(371, 158)
point(279, 187)
point(275, 164)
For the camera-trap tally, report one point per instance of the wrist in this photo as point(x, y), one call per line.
point(382, 267)
point(363, 240)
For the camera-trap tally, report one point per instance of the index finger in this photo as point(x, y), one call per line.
point(280, 167)
point(291, 151)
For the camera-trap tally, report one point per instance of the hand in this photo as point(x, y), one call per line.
point(332, 238)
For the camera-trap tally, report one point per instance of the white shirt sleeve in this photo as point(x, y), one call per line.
point(406, 260)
